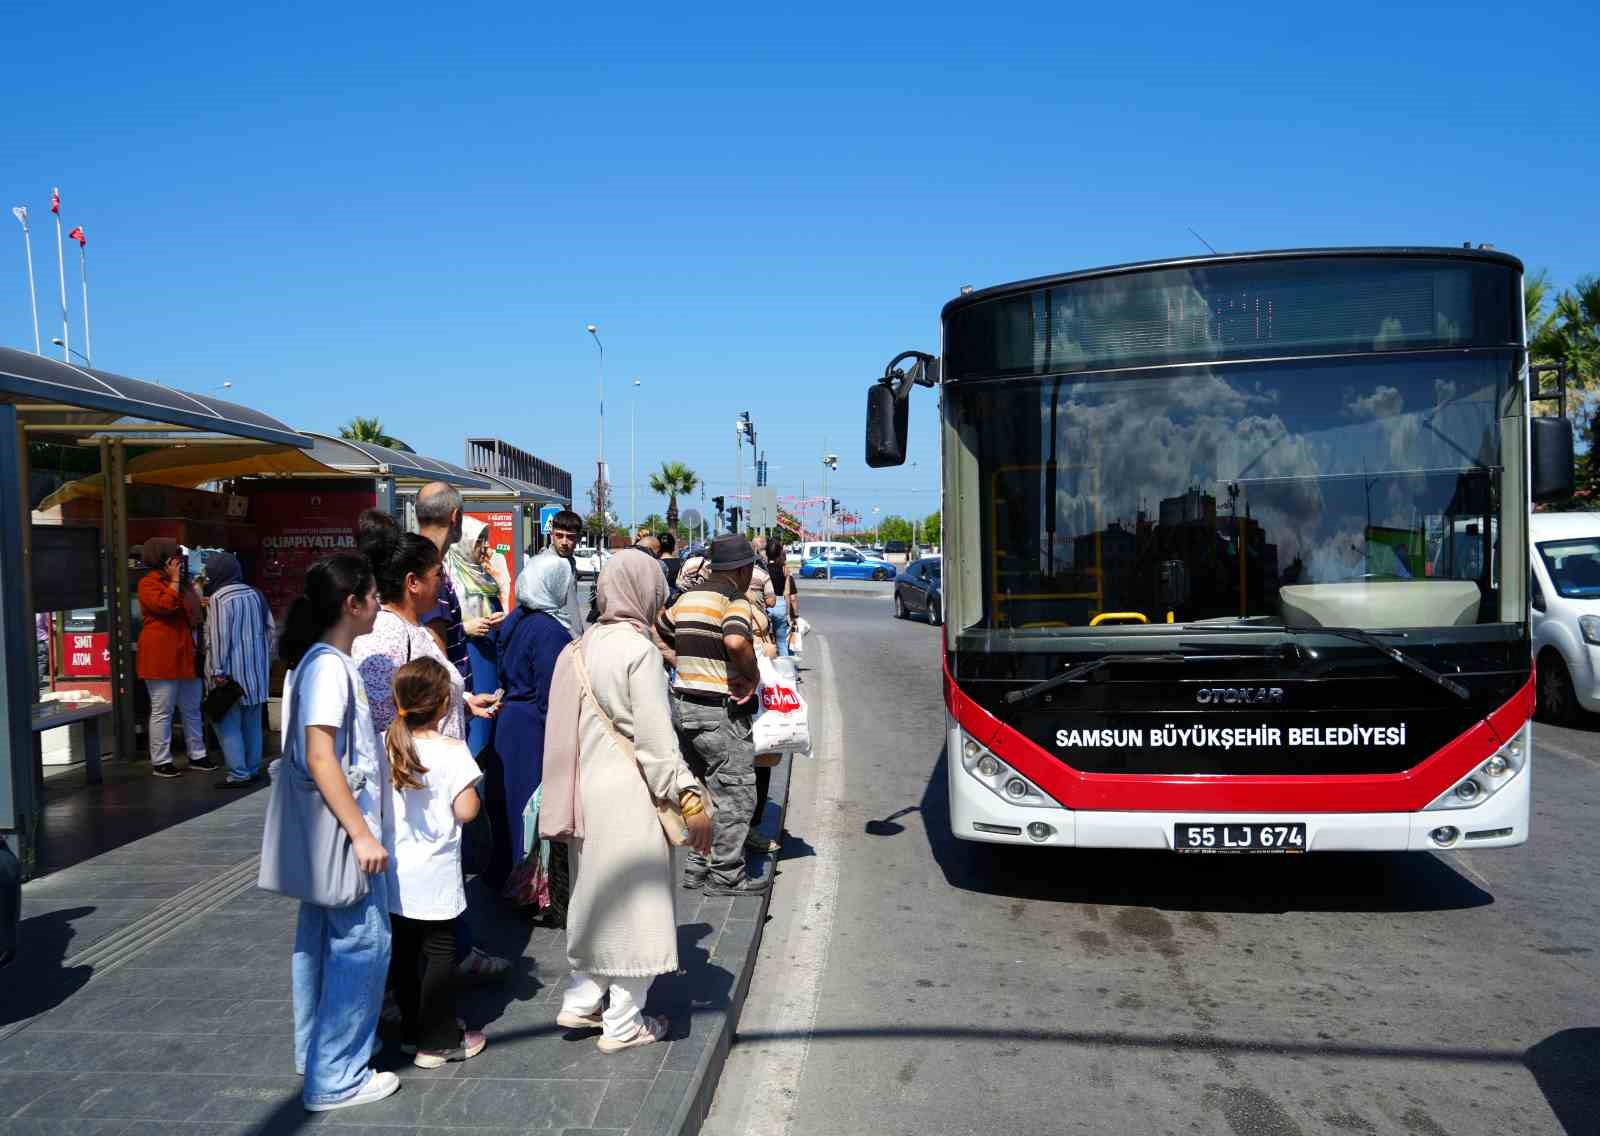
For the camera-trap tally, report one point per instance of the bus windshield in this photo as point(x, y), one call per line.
point(1352, 491)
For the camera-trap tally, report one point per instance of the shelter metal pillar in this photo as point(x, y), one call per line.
point(19, 801)
point(119, 601)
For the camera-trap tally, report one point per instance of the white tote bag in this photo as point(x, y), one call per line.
point(781, 726)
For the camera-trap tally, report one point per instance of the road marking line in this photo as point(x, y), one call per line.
point(775, 1099)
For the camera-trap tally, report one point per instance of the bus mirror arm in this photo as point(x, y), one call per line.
point(888, 406)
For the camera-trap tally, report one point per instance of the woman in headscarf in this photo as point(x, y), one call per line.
point(483, 590)
point(621, 931)
point(170, 608)
point(529, 642)
point(239, 634)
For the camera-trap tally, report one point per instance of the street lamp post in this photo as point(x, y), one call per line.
point(633, 477)
point(61, 343)
point(829, 462)
point(600, 452)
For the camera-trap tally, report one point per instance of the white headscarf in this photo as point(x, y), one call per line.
point(548, 584)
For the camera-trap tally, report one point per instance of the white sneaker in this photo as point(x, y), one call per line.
point(378, 1086)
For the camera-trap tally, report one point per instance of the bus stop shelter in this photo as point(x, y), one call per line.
point(45, 399)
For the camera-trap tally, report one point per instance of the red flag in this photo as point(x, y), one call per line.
point(55, 202)
point(77, 235)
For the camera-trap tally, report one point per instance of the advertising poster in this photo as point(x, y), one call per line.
point(502, 524)
point(297, 525)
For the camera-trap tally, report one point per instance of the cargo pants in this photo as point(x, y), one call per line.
point(718, 747)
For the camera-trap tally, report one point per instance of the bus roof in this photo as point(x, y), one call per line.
point(998, 291)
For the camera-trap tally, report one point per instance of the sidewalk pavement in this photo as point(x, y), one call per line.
point(151, 995)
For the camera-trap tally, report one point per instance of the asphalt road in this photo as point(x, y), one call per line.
point(910, 983)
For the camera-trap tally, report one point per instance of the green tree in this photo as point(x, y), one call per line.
point(895, 527)
point(370, 430)
point(598, 522)
point(1565, 328)
point(930, 528)
point(674, 478)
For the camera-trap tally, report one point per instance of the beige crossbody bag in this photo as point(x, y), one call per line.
point(667, 812)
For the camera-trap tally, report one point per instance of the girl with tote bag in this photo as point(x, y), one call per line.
point(332, 767)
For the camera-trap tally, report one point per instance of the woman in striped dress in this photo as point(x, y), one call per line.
point(239, 635)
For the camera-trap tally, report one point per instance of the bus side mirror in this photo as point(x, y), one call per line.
point(887, 417)
point(1552, 459)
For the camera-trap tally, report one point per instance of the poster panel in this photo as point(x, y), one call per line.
point(297, 525)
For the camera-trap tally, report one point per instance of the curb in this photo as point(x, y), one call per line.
point(707, 1072)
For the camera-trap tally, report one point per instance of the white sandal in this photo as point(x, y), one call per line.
point(651, 1029)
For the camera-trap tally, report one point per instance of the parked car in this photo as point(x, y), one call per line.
point(587, 562)
point(895, 547)
point(1565, 596)
point(919, 589)
point(798, 554)
point(847, 564)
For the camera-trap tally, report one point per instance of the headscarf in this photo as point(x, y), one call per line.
point(546, 585)
point(222, 569)
point(631, 590)
point(549, 584)
point(475, 586)
point(157, 551)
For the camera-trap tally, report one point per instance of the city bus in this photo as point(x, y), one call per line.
point(1192, 513)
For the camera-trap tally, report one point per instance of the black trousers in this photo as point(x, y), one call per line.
point(421, 967)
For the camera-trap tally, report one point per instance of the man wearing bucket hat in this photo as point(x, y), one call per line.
point(713, 703)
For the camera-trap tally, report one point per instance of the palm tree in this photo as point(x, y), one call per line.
point(674, 478)
point(360, 429)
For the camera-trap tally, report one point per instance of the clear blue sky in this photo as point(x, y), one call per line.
point(391, 210)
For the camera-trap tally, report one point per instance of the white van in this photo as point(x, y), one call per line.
point(798, 554)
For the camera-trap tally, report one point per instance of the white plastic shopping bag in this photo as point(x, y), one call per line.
point(781, 726)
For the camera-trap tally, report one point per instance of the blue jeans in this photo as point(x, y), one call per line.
point(341, 958)
point(779, 614)
point(239, 731)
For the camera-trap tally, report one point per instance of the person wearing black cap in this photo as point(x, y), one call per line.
point(709, 631)
point(171, 610)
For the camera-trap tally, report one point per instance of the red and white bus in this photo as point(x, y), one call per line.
point(1192, 585)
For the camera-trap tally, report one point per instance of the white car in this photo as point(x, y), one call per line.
point(587, 562)
point(1565, 598)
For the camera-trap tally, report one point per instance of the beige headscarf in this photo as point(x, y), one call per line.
point(631, 589)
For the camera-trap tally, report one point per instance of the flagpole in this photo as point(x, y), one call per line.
point(21, 214)
point(83, 273)
point(61, 274)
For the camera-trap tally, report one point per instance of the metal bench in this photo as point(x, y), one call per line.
point(49, 715)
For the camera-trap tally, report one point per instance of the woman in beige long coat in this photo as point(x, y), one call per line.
point(621, 929)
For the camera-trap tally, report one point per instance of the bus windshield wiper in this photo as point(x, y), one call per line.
point(1088, 667)
point(1394, 653)
point(1357, 635)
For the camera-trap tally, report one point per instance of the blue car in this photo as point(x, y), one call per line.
point(847, 564)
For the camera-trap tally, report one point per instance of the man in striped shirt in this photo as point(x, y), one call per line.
point(708, 630)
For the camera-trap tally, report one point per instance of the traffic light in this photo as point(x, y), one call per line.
point(717, 501)
point(833, 506)
point(734, 513)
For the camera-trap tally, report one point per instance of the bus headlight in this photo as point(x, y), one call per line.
point(1000, 779)
point(1485, 781)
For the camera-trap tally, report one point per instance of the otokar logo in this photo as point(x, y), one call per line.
point(1239, 696)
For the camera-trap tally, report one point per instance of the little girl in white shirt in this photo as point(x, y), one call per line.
point(431, 796)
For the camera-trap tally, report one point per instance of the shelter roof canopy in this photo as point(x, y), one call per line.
point(50, 392)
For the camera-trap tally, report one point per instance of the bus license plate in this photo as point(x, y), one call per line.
point(1208, 838)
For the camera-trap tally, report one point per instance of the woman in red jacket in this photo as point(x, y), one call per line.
point(166, 656)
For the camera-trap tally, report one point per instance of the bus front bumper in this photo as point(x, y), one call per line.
point(977, 813)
